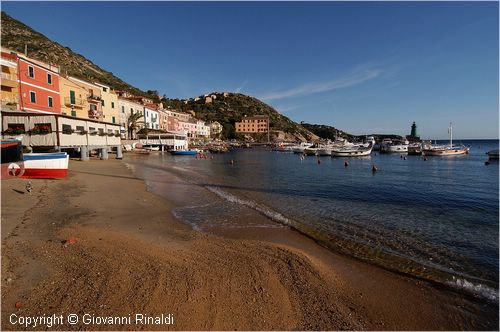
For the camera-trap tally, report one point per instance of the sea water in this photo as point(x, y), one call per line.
point(434, 218)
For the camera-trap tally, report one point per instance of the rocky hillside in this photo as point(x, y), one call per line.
point(227, 108)
point(15, 35)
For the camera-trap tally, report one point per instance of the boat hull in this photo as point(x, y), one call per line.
point(45, 165)
point(351, 153)
point(445, 152)
point(184, 153)
point(394, 148)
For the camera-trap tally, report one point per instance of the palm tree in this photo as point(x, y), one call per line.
point(132, 123)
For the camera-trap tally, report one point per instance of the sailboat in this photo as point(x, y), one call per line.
point(445, 150)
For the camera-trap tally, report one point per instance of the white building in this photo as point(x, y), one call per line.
point(151, 118)
point(202, 130)
point(126, 108)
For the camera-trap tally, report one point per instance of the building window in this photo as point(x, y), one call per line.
point(66, 129)
point(41, 128)
point(49, 78)
point(73, 113)
point(15, 129)
point(33, 96)
point(123, 109)
point(104, 89)
point(50, 102)
point(80, 128)
point(93, 107)
point(31, 71)
point(112, 104)
point(102, 102)
point(113, 119)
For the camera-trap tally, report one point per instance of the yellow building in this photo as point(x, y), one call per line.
point(73, 98)
point(109, 104)
point(10, 93)
point(253, 124)
point(80, 99)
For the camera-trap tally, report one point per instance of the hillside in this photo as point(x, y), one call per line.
point(15, 35)
point(326, 132)
point(231, 107)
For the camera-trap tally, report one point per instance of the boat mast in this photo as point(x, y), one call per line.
point(451, 136)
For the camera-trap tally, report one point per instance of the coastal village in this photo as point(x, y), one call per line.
point(50, 109)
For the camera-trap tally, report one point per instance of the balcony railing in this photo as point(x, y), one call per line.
point(75, 102)
point(92, 96)
point(9, 80)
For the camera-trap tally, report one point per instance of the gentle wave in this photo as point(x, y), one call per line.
point(273, 215)
point(480, 290)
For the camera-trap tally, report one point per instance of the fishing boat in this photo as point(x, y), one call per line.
point(353, 151)
point(318, 150)
point(184, 152)
point(445, 150)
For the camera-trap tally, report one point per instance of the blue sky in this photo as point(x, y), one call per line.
point(362, 67)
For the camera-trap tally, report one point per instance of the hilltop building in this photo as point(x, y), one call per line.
point(253, 124)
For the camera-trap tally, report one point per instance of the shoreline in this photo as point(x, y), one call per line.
point(131, 255)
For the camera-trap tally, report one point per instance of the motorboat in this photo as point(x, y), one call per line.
point(415, 149)
point(184, 152)
point(394, 146)
point(299, 148)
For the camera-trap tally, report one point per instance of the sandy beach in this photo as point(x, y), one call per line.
point(98, 244)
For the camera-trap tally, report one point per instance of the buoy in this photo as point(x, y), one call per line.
point(346, 163)
point(486, 162)
point(425, 158)
point(232, 162)
point(404, 158)
point(401, 156)
point(319, 161)
point(374, 168)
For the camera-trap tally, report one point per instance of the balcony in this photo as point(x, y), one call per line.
point(9, 80)
point(75, 102)
point(93, 97)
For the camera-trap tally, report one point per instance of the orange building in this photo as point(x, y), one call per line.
point(253, 124)
point(38, 85)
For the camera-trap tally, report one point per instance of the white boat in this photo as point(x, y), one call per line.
point(353, 151)
point(397, 146)
point(445, 150)
point(301, 147)
point(319, 150)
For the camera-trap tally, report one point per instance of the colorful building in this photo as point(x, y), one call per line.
point(253, 124)
point(151, 117)
point(109, 104)
point(202, 130)
point(73, 98)
point(38, 85)
point(10, 90)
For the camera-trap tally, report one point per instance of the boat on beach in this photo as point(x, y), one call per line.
point(15, 163)
point(445, 150)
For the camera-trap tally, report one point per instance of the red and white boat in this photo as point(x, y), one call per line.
point(45, 165)
point(31, 165)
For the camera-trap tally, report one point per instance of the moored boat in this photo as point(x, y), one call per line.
point(493, 154)
point(445, 150)
point(394, 146)
point(184, 152)
point(353, 151)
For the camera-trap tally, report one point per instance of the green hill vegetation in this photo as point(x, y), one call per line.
point(326, 132)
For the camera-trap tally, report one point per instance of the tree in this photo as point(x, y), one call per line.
point(133, 123)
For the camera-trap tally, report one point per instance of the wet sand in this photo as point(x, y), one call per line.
point(127, 255)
